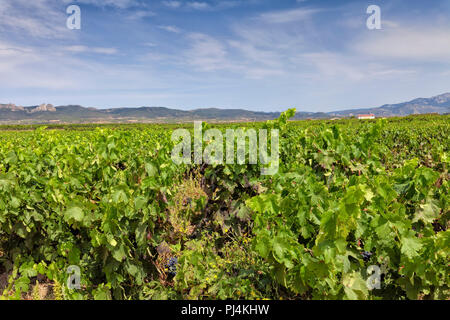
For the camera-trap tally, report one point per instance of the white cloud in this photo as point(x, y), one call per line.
point(85, 49)
point(388, 23)
point(262, 57)
point(121, 4)
point(360, 22)
point(46, 19)
point(172, 4)
point(61, 69)
point(333, 65)
point(38, 18)
point(209, 54)
point(172, 29)
point(141, 14)
point(263, 73)
point(410, 44)
point(149, 44)
point(198, 5)
point(203, 5)
point(23, 66)
point(285, 16)
point(206, 53)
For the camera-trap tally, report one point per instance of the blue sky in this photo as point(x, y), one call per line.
point(255, 54)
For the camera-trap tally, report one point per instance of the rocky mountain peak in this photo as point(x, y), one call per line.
point(44, 108)
point(442, 98)
point(11, 106)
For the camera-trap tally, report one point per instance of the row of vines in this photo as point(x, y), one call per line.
point(110, 201)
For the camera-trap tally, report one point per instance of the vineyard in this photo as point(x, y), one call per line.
point(350, 197)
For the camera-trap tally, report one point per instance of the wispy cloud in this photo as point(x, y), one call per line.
point(332, 65)
point(407, 43)
point(172, 4)
point(17, 61)
point(85, 49)
point(204, 5)
point(206, 53)
point(285, 16)
point(121, 4)
point(198, 5)
point(172, 29)
point(39, 19)
point(140, 14)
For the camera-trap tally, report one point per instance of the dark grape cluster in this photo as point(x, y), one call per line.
point(366, 255)
point(172, 266)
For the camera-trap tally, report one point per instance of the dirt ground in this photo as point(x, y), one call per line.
point(45, 289)
point(3, 281)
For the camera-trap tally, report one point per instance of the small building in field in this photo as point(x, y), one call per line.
point(366, 116)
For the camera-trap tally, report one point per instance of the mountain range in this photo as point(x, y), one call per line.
point(47, 113)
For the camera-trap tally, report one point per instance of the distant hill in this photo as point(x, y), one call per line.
point(438, 104)
point(47, 113)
